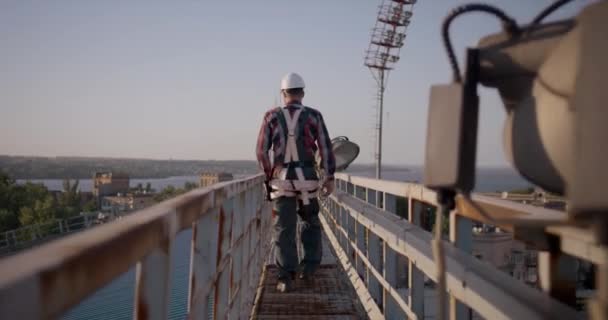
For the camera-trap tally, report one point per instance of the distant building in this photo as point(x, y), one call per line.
point(110, 184)
point(507, 254)
point(209, 178)
point(126, 203)
point(114, 204)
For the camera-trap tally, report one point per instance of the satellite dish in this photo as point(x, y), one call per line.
point(345, 152)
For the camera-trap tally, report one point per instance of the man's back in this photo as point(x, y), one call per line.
point(311, 135)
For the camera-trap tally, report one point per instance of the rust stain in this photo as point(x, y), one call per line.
point(193, 289)
point(230, 228)
point(220, 195)
point(165, 246)
point(231, 284)
point(142, 309)
point(194, 233)
point(220, 237)
point(87, 266)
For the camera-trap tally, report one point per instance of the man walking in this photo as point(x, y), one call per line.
point(295, 133)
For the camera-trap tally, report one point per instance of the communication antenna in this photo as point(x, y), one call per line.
point(387, 38)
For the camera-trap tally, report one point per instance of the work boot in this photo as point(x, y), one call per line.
point(284, 285)
point(306, 275)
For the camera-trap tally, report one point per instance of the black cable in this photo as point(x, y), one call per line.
point(509, 25)
point(547, 11)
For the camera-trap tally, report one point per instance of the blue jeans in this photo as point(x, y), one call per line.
point(286, 211)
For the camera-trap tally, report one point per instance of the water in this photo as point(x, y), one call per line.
point(115, 301)
point(86, 185)
point(488, 179)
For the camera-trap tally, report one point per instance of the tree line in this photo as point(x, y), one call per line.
point(21, 167)
point(32, 203)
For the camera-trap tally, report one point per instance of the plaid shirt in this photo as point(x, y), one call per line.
point(314, 137)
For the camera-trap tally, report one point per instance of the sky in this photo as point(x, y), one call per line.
point(191, 79)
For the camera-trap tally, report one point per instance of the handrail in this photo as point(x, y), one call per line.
point(45, 282)
point(24, 237)
point(492, 293)
point(575, 240)
point(551, 232)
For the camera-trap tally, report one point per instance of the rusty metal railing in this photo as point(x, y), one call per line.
point(230, 231)
point(25, 237)
point(378, 231)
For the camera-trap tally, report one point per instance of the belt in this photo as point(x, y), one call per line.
point(300, 164)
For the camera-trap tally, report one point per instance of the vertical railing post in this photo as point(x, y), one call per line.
point(372, 197)
point(374, 252)
point(203, 263)
point(415, 276)
point(461, 236)
point(390, 203)
point(12, 235)
point(152, 283)
point(222, 293)
point(598, 307)
point(33, 233)
point(391, 309)
point(557, 273)
point(361, 245)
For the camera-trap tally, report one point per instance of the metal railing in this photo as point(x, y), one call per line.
point(378, 230)
point(25, 237)
point(230, 231)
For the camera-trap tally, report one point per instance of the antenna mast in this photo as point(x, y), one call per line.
point(387, 38)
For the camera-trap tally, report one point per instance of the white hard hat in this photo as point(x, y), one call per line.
point(291, 81)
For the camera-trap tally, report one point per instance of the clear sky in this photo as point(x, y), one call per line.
point(191, 79)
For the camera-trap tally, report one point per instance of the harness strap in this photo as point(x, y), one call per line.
point(298, 187)
point(291, 149)
point(300, 195)
point(294, 185)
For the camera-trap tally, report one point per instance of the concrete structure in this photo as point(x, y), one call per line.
point(210, 178)
point(109, 184)
point(126, 203)
point(507, 254)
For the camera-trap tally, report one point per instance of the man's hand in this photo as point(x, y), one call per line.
point(267, 190)
point(328, 187)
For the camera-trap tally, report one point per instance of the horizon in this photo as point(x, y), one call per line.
point(157, 81)
point(385, 165)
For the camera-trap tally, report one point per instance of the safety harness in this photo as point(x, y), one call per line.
point(301, 188)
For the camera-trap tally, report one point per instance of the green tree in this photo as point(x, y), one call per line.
point(15, 197)
point(190, 186)
point(168, 192)
point(8, 209)
point(42, 211)
point(69, 201)
point(148, 187)
point(140, 187)
point(8, 220)
point(90, 206)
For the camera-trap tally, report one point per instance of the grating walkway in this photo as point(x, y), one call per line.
point(328, 296)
